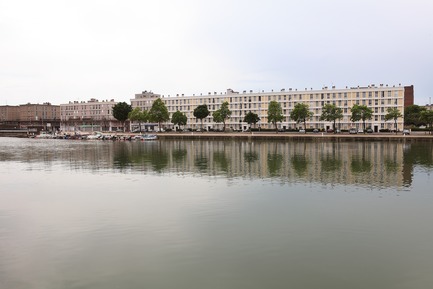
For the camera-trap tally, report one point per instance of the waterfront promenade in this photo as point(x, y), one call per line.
point(269, 136)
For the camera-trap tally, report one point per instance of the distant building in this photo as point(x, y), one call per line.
point(93, 115)
point(40, 116)
point(9, 113)
point(378, 98)
point(144, 101)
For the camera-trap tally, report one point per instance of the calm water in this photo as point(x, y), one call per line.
point(210, 214)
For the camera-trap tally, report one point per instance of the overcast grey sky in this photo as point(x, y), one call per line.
point(58, 51)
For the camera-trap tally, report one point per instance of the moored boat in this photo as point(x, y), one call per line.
point(147, 137)
point(45, 135)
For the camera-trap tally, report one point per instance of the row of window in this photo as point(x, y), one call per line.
point(300, 96)
point(83, 107)
point(312, 105)
point(95, 112)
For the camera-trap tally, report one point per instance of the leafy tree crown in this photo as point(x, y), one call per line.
point(251, 118)
point(275, 112)
point(179, 118)
point(158, 112)
point(201, 111)
point(121, 111)
point(301, 112)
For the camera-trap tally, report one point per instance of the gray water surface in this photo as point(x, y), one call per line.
point(215, 214)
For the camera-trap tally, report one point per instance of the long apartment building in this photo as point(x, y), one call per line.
point(93, 115)
point(378, 98)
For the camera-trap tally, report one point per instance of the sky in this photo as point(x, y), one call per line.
point(59, 51)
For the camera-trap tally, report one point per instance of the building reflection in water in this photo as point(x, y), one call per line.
point(366, 163)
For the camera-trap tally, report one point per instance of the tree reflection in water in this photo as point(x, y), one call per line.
point(382, 163)
point(361, 162)
point(330, 163)
point(159, 158)
point(122, 157)
point(179, 155)
point(275, 162)
point(360, 165)
point(221, 160)
point(251, 157)
point(300, 164)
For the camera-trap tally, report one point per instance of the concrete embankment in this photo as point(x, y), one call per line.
point(296, 136)
point(13, 133)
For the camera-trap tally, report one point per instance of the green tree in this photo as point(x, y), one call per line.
point(217, 117)
point(393, 113)
point(330, 112)
point(251, 118)
point(427, 117)
point(121, 111)
point(412, 115)
point(275, 113)
point(137, 115)
point(179, 118)
point(158, 112)
point(361, 112)
point(300, 113)
point(223, 114)
point(201, 112)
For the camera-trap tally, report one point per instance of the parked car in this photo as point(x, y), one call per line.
point(302, 130)
point(353, 131)
point(315, 130)
point(369, 130)
point(360, 130)
point(406, 131)
point(330, 130)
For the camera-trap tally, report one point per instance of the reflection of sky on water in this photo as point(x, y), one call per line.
point(158, 229)
point(214, 215)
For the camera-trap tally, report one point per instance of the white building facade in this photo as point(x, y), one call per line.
point(378, 98)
